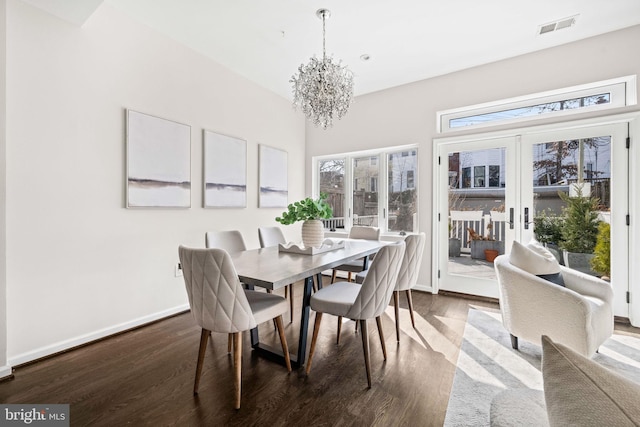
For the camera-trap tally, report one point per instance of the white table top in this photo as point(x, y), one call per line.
point(271, 269)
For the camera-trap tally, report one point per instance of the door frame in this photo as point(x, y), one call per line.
point(467, 284)
point(633, 122)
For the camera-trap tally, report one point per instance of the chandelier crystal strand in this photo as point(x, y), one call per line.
point(323, 89)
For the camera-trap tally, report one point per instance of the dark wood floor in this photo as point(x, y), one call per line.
point(145, 376)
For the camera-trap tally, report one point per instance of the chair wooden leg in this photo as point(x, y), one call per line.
point(204, 339)
point(365, 348)
point(349, 277)
point(229, 343)
point(396, 309)
point(290, 302)
point(333, 275)
point(339, 329)
point(314, 338)
point(381, 334)
point(283, 341)
point(410, 302)
point(237, 367)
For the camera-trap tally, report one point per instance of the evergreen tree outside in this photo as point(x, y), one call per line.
point(580, 229)
point(601, 262)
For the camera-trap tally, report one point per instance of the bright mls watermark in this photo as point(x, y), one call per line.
point(34, 415)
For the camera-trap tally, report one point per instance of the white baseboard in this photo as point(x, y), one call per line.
point(92, 336)
point(5, 371)
point(423, 288)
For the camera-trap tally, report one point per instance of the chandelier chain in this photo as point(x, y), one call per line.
point(324, 31)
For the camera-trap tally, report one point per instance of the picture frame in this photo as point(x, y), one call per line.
point(273, 177)
point(158, 162)
point(224, 171)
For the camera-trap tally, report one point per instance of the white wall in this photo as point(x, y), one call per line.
point(407, 114)
point(80, 265)
point(4, 368)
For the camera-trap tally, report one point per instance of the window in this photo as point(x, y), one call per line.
point(402, 198)
point(365, 192)
point(532, 110)
point(371, 188)
point(595, 96)
point(478, 176)
point(331, 181)
point(494, 176)
point(466, 178)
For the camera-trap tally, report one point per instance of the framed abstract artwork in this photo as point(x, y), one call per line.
point(158, 162)
point(274, 186)
point(225, 171)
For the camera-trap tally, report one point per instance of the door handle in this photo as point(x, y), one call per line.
point(511, 225)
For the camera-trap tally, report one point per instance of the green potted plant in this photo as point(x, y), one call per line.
point(579, 231)
point(547, 229)
point(310, 211)
point(601, 262)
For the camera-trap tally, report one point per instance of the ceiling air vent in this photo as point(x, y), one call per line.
point(547, 28)
point(557, 25)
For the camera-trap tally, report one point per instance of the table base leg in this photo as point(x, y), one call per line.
point(275, 354)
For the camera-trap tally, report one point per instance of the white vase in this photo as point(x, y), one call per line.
point(312, 233)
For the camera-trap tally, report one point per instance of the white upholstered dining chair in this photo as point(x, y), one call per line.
point(407, 277)
point(356, 266)
point(220, 304)
point(273, 236)
point(229, 240)
point(361, 302)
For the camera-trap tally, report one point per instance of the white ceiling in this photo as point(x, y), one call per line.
point(407, 40)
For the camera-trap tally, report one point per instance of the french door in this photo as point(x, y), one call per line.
point(494, 189)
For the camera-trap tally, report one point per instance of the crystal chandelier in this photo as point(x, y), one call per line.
point(323, 89)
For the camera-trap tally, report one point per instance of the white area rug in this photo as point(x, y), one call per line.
point(488, 365)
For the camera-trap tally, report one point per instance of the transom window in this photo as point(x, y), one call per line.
point(595, 96)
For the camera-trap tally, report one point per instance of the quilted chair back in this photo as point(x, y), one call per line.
point(217, 299)
point(230, 241)
point(365, 233)
point(410, 267)
point(378, 286)
point(270, 236)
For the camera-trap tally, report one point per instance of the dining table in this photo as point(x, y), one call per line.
point(272, 269)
